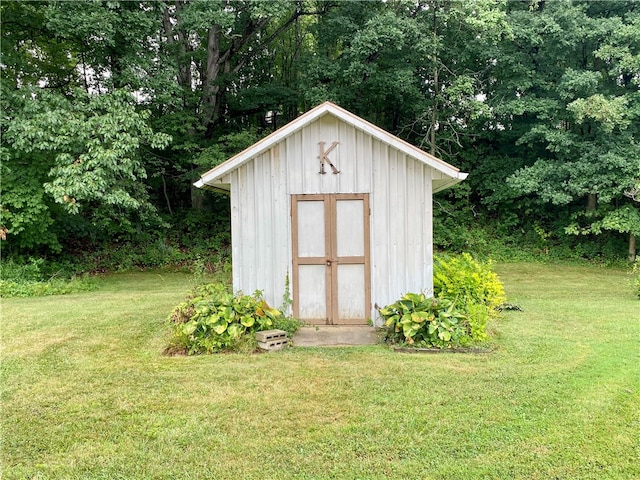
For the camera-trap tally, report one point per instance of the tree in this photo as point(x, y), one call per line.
point(91, 155)
point(564, 97)
point(30, 56)
point(213, 48)
point(538, 100)
point(411, 67)
point(91, 148)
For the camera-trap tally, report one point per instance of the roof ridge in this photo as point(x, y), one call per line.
point(314, 114)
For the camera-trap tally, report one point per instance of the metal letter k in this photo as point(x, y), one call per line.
point(324, 157)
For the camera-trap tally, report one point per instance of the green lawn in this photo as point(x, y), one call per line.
point(87, 393)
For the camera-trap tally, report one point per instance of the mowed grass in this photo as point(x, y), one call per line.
point(88, 394)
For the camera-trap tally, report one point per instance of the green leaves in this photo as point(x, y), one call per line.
point(468, 280)
point(566, 88)
point(625, 219)
point(93, 150)
point(212, 319)
point(543, 93)
point(248, 320)
point(610, 112)
point(220, 326)
point(475, 288)
point(189, 327)
point(416, 319)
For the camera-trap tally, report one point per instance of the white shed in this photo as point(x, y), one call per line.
point(338, 209)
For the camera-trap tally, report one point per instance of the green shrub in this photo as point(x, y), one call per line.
point(418, 320)
point(474, 286)
point(130, 255)
point(636, 281)
point(478, 321)
point(212, 319)
point(27, 280)
point(56, 286)
point(286, 323)
point(467, 294)
point(18, 272)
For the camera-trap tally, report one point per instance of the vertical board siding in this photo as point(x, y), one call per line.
point(236, 230)
point(400, 203)
point(401, 225)
point(293, 159)
point(352, 157)
point(380, 225)
point(260, 221)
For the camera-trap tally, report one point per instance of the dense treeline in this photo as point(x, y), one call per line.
point(110, 111)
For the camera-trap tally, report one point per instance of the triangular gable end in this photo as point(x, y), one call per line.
point(449, 175)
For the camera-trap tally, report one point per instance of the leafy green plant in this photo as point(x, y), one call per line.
point(478, 320)
point(473, 285)
point(636, 281)
point(56, 286)
point(287, 300)
point(467, 295)
point(28, 280)
point(212, 319)
point(13, 271)
point(468, 279)
point(418, 320)
point(287, 323)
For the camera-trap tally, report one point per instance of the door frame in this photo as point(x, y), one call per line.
point(331, 259)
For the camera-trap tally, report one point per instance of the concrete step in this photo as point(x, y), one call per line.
point(333, 335)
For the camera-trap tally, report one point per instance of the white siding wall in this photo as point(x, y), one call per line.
point(352, 157)
point(400, 193)
point(401, 241)
point(261, 225)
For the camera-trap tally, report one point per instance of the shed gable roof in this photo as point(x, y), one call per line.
point(328, 108)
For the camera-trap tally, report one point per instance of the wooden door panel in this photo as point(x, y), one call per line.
point(351, 293)
point(349, 228)
point(311, 229)
point(312, 293)
point(310, 253)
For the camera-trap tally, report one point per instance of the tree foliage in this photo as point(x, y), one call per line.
point(584, 120)
point(110, 109)
point(88, 151)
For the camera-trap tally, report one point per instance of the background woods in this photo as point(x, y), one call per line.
point(110, 110)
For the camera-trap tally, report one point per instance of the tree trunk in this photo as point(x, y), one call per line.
point(210, 85)
point(632, 247)
point(436, 87)
point(183, 59)
point(592, 202)
point(434, 114)
point(166, 194)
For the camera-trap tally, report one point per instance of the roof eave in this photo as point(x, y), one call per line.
point(450, 183)
point(261, 146)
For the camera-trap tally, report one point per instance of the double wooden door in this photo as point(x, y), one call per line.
point(331, 267)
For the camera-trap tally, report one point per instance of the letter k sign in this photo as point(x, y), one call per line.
point(324, 158)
